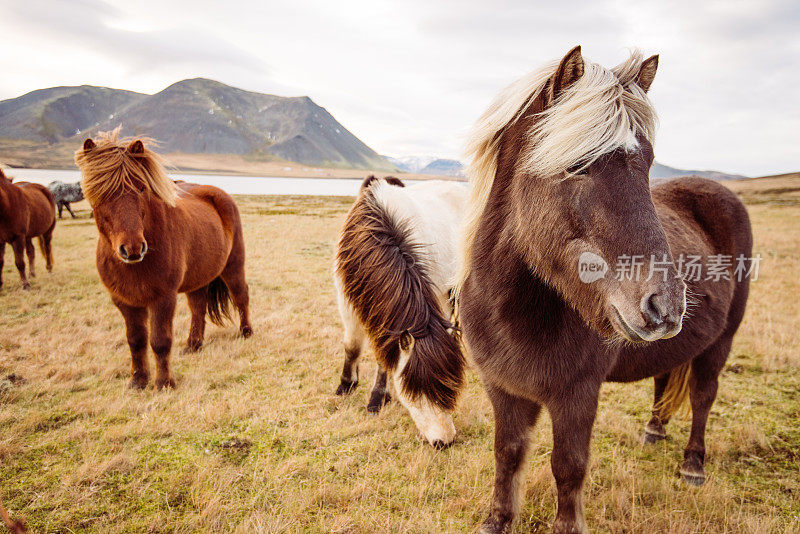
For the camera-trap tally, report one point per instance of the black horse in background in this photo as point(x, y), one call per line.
point(64, 194)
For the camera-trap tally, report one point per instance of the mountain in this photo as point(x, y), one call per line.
point(412, 164)
point(445, 167)
point(662, 171)
point(196, 116)
point(428, 165)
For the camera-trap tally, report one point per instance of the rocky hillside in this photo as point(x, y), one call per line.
point(197, 116)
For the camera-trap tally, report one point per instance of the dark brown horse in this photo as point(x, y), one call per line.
point(157, 240)
point(560, 181)
point(26, 211)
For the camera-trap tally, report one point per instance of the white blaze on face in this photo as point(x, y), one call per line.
point(435, 424)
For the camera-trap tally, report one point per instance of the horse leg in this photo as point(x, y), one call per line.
point(354, 337)
point(46, 242)
point(161, 315)
point(60, 209)
point(234, 279)
point(69, 209)
point(573, 417)
point(2, 260)
point(702, 393)
point(18, 246)
point(654, 431)
point(31, 252)
point(514, 417)
point(136, 334)
point(198, 302)
point(380, 394)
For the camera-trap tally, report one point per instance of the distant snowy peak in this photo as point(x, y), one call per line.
point(428, 165)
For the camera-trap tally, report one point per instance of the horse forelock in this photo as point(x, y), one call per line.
point(110, 168)
point(603, 110)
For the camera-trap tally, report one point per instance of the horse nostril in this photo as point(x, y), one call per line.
point(653, 310)
point(144, 248)
point(123, 252)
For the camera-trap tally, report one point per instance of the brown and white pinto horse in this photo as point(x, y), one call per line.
point(26, 211)
point(157, 240)
point(560, 170)
point(395, 265)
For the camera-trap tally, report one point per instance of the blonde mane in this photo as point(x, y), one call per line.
point(603, 110)
point(110, 167)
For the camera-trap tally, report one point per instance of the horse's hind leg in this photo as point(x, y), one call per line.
point(31, 252)
point(46, 243)
point(240, 293)
point(354, 337)
point(69, 209)
point(198, 302)
point(654, 431)
point(703, 382)
point(380, 394)
point(161, 316)
point(2, 260)
point(514, 417)
point(18, 246)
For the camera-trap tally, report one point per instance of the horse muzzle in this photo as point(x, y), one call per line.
point(127, 255)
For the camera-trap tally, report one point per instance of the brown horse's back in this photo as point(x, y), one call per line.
point(41, 206)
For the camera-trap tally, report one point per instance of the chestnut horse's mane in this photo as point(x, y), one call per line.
point(603, 110)
point(110, 167)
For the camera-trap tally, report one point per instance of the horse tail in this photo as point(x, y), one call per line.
point(16, 527)
point(384, 277)
point(219, 301)
point(676, 392)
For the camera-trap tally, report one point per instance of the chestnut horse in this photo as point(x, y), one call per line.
point(395, 264)
point(560, 178)
point(158, 239)
point(26, 211)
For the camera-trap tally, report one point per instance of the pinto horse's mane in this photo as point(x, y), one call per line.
point(110, 166)
point(603, 110)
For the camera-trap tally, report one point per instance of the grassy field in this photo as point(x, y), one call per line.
point(253, 440)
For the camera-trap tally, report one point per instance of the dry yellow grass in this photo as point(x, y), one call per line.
point(253, 440)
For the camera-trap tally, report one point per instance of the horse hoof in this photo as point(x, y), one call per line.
point(346, 388)
point(650, 438)
point(494, 525)
point(247, 331)
point(26, 286)
point(193, 345)
point(440, 445)
point(378, 402)
point(693, 478)
point(162, 383)
point(138, 382)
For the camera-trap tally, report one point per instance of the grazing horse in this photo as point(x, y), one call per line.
point(26, 211)
point(395, 264)
point(158, 239)
point(65, 194)
point(560, 180)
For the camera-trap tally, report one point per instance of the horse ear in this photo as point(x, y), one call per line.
point(648, 71)
point(406, 341)
point(88, 144)
point(137, 147)
point(568, 72)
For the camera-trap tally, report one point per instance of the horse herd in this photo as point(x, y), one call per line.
point(433, 275)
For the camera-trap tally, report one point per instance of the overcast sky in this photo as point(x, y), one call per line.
point(408, 77)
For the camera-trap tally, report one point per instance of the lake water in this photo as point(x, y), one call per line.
point(235, 185)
